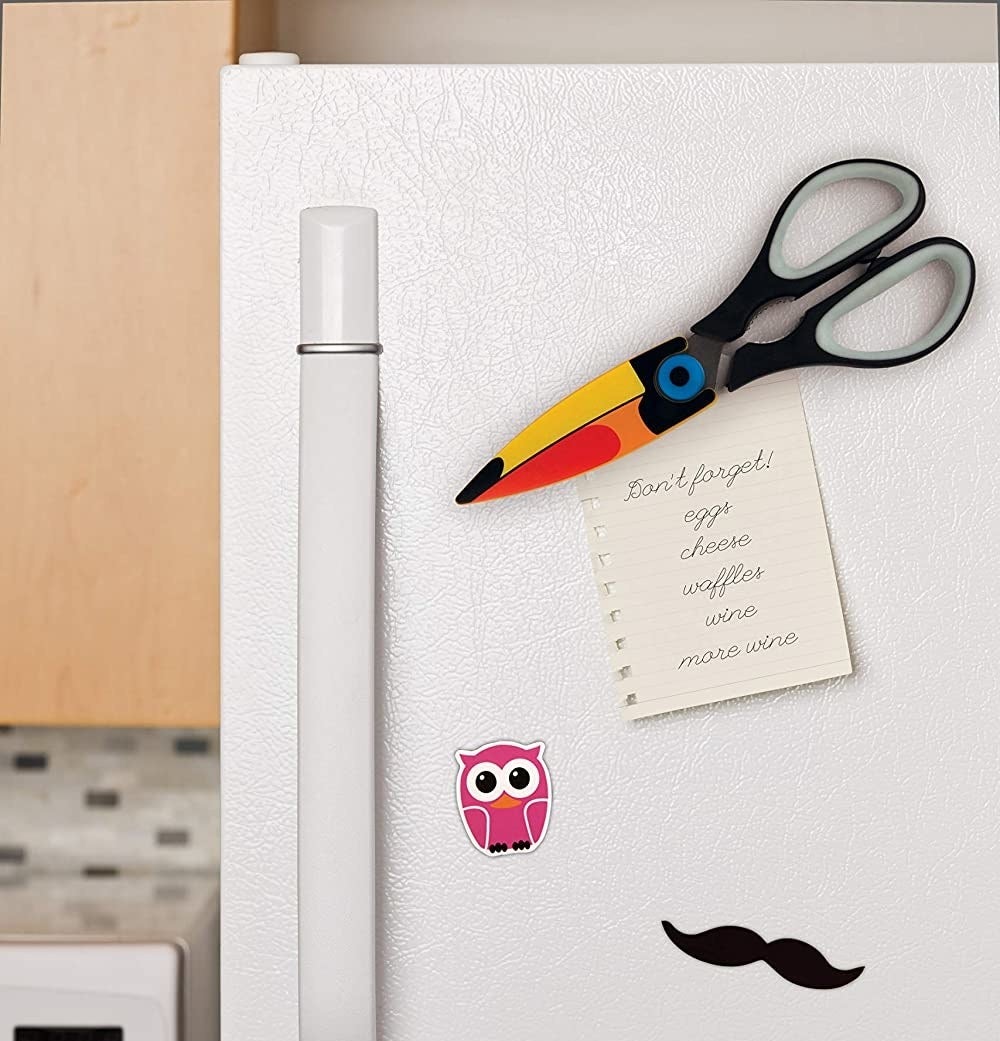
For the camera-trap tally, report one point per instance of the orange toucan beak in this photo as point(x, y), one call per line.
point(505, 802)
point(587, 429)
point(620, 411)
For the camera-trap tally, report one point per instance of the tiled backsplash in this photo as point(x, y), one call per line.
point(108, 802)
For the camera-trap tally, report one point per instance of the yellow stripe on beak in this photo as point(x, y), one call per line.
point(609, 391)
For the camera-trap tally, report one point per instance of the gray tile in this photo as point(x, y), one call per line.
point(79, 800)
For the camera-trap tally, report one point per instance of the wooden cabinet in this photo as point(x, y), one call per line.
point(109, 361)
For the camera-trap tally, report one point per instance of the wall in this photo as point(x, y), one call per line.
point(107, 802)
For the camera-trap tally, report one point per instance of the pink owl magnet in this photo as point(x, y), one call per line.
point(504, 796)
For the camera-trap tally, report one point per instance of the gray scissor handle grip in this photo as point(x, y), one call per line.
point(906, 183)
point(772, 278)
point(812, 341)
point(895, 270)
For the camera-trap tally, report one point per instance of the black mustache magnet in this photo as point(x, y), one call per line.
point(793, 960)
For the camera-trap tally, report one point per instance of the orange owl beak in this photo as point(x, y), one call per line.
point(505, 802)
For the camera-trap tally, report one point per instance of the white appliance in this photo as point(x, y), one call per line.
point(109, 960)
point(538, 224)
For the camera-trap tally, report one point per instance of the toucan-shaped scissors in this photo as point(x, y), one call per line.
point(644, 397)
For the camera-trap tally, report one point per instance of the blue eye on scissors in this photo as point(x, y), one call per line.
point(680, 377)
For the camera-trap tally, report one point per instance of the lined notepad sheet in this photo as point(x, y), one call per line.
point(712, 557)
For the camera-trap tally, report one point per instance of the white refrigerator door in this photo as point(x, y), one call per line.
point(537, 225)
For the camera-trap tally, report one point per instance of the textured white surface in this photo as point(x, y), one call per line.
point(538, 224)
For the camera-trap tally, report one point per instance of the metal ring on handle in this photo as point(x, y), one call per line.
point(903, 180)
point(953, 254)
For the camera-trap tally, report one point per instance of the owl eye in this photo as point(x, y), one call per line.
point(483, 782)
point(520, 778)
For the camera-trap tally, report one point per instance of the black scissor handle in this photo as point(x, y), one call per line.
point(813, 341)
point(771, 277)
